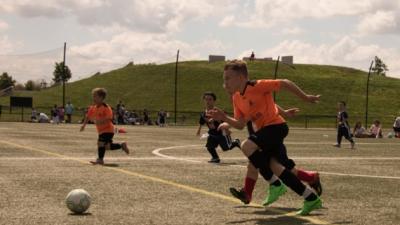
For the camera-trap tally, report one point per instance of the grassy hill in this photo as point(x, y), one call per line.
point(152, 87)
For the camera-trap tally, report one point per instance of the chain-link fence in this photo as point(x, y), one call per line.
point(188, 118)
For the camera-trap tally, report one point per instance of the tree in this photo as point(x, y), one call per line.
point(380, 67)
point(6, 81)
point(31, 85)
point(59, 73)
point(19, 87)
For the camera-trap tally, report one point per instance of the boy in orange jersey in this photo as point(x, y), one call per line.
point(310, 177)
point(101, 114)
point(253, 101)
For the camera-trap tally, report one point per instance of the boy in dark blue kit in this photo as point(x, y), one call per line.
point(215, 137)
point(343, 126)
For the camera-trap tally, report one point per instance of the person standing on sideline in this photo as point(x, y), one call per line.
point(69, 109)
point(162, 115)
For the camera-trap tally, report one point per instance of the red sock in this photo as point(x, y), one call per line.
point(304, 175)
point(249, 184)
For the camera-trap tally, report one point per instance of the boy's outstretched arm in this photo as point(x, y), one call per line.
point(219, 114)
point(292, 87)
point(287, 113)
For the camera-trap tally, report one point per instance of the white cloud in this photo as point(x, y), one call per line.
point(142, 48)
point(5, 45)
point(345, 52)
point(227, 21)
point(380, 22)
point(292, 31)
point(105, 55)
point(3, 25)
point(154, 16)
point(268, 13)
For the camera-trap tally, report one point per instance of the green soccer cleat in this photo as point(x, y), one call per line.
point(310, 206)
point(274, 193)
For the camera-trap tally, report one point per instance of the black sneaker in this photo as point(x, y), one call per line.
point(97, 162)
point(240, 194)
point(214, 160)
point(236, 143)
point(316, 185)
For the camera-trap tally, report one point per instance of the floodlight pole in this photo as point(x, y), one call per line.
point(176, 84)
point(367, 93)
point(276, 71)
point(64, 76)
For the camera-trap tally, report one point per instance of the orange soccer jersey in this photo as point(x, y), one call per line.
point(257, 104)
point(102, 112)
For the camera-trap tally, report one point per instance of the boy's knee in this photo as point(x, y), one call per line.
point(251, 168)
point(248, 147)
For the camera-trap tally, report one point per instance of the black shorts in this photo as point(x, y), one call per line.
point(224, 141)
point(396, 129)
point(270, 140)
point(106, 138)
point(162, 120)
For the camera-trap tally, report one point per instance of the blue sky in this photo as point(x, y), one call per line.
point(104, 34)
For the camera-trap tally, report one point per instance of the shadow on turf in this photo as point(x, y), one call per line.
point(111, 165)
point(276, 217)
point(265, 211)
point(277, 220)
point(228, 164)
point(343, 222)
point(82, 214)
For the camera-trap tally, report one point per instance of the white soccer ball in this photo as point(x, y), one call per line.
point(78, 201)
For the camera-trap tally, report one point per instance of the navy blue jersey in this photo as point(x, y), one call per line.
point(342, 118)
point(211, 124)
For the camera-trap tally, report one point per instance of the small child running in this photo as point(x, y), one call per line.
point(101, 114)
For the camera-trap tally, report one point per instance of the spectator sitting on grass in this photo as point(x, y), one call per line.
point(376, 130)
point(396, 127)
point(55, 114)
point(34, 115)
point(359, 131)
point(43, 118)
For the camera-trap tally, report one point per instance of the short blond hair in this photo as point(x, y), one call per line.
point(238, 66)
point(101, 92)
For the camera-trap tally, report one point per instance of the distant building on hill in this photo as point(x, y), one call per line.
point(216, 58)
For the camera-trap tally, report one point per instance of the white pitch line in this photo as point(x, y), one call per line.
point(157, 153)
point(82, 158)
point(331, 143)
point(194, 159)
point(158, 150)
point(360, 175)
